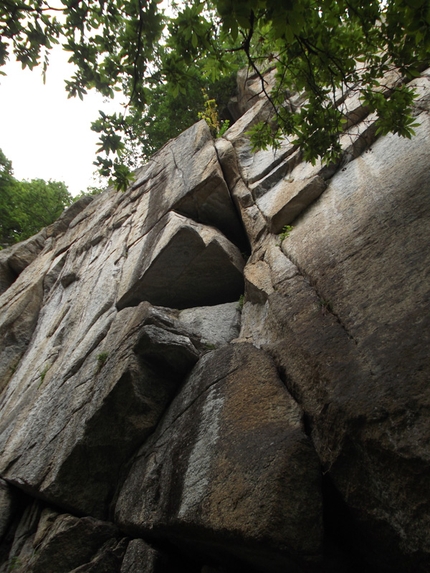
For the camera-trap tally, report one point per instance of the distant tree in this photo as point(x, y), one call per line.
point(91, 191)
point(7, 200)
point(323, 49)
point(27, 206)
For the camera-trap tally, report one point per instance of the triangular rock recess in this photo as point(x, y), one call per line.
point(181, 264)
point(143, 396)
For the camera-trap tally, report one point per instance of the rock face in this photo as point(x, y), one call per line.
point(232, 441)
point(186, 388)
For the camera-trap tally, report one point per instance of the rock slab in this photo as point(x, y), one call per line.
point(230, 468)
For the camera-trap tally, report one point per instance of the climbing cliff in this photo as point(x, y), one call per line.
point(226, 367)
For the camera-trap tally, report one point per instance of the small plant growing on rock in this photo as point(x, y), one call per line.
point(101, 359)
point(223, 128)
point(210, 115)
point(241, 302)
point(286, 230)
point(13, 563)
point(43, 374)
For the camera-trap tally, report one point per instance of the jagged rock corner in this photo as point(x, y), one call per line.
point(186, 388)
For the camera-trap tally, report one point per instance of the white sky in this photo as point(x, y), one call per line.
point(43, 133)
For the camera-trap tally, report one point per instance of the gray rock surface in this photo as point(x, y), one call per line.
point(16, 258)
point(214, 325)
point(348, 325)
point(68, 314)
point(181, 264)
point(20, 312)
point(49, 542)
point(232, 441)
point(185, 176)
point(142, 558)
point(114, 398)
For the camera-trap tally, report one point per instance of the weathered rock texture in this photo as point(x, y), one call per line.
point(230, 460)
point(185, 389)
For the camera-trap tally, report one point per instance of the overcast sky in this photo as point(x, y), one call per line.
point(43, 133)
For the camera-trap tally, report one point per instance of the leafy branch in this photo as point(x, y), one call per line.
point(321, 50)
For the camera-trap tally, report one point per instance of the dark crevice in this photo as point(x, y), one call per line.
point(307, 423)
point(340, 531)
point(20, 503)
point(278, 169)
point(26, 495)
point(7, 277)
point(241, 242)
point(340, 534)
point(173, 560)
point(175, 555)
point(286, 380)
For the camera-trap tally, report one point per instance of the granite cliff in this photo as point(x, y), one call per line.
point(226, 367)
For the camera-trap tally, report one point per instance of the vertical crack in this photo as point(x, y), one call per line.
point(325, 303)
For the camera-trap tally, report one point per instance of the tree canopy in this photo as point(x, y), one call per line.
point(27, 206)
point(320, 48)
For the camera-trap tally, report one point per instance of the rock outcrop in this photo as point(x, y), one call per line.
point(229, 459)
point(189, 385)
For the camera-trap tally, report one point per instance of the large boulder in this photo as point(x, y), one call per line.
point(15, 259)
point(229, 469)
point(20, 313)
point(213, 325)
point(185, 176)
point(142, 558)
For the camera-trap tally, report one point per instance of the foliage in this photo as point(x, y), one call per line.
point(241, 302)
point(27, 206)
point(101, 359)
point(165, 115)
point(211, 116)
point(324, 50)
point(13, 563)
point(43, 374)
point(286, 230)
point(225, 124)
point(91, 191)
